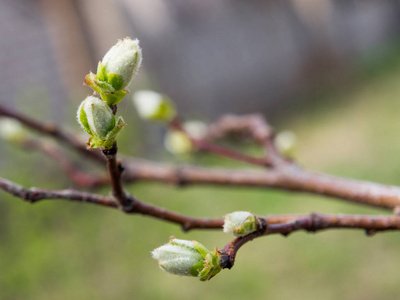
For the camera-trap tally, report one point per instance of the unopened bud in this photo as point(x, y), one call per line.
point(97, 119)
point(116, 70)
point(196, 129)
point(154, 106)
point(240, 223)
point(188, 258)
point(178, 143)
point(11, 130)
point(285, 142)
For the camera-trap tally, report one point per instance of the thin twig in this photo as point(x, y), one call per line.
point(205, 145)
point(34, 195)
point(253, 125)
point(115, 170)
point(288, 224)
point(288, 178)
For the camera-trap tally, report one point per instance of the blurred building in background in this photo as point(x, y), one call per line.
point(209, 56)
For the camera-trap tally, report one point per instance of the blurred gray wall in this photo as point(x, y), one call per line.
point(244, 56)
point(210, 56)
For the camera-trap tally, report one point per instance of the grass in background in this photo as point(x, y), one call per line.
point(63, 250)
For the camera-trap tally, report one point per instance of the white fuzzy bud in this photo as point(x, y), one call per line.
point(154, 106)
point(123, 59)
point(240, 223)
point(177, 257)
point(11, 130)
point(195, 129)
point(285, 142)
point(187, 258)
point(97, 119)
point(177, 143)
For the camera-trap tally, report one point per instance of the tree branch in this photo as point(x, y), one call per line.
point(205, 145)
point(115, 170)
point(289, 178)
point(287, 224)
point(34, 195)
point(284, 175)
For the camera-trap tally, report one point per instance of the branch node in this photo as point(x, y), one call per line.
point(120, 167)
point(110, 152)
point(315, 223)
point(180, 178)
point(262, 224)
point(129, 207)
point(227, 261)
point(370, 232)
point(186, 227)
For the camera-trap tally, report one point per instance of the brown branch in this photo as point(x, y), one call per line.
point(287, 178)
point(287, 224)
point(115, 170)
point(253, 125)
point(205, 145)
point(52, 130)
point(187, 223)
point(34, 195)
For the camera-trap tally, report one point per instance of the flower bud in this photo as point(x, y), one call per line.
point(285, 142)
point(97, 119)
point(195, 129)
point(240, 223)
point(177, 143)
point(188, 258)
point(11, 130)
point(154, 106)
point(116, 70)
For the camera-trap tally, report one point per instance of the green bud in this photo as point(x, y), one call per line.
point(177, 143)
point(188, 258)
point(116, 70)
point(154, 106)
point(240, 223)
point(11, 130)
point(285, 142)
point(97, 119)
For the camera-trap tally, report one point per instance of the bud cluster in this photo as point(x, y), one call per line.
point(114, 73)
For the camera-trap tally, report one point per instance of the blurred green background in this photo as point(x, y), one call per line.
point(63, 250)
point(327, 70)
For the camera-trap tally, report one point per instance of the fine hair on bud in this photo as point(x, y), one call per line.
point(188, 258)
point(116, 70)
point(98, 120)
point(123, 59)
point(240, 223)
